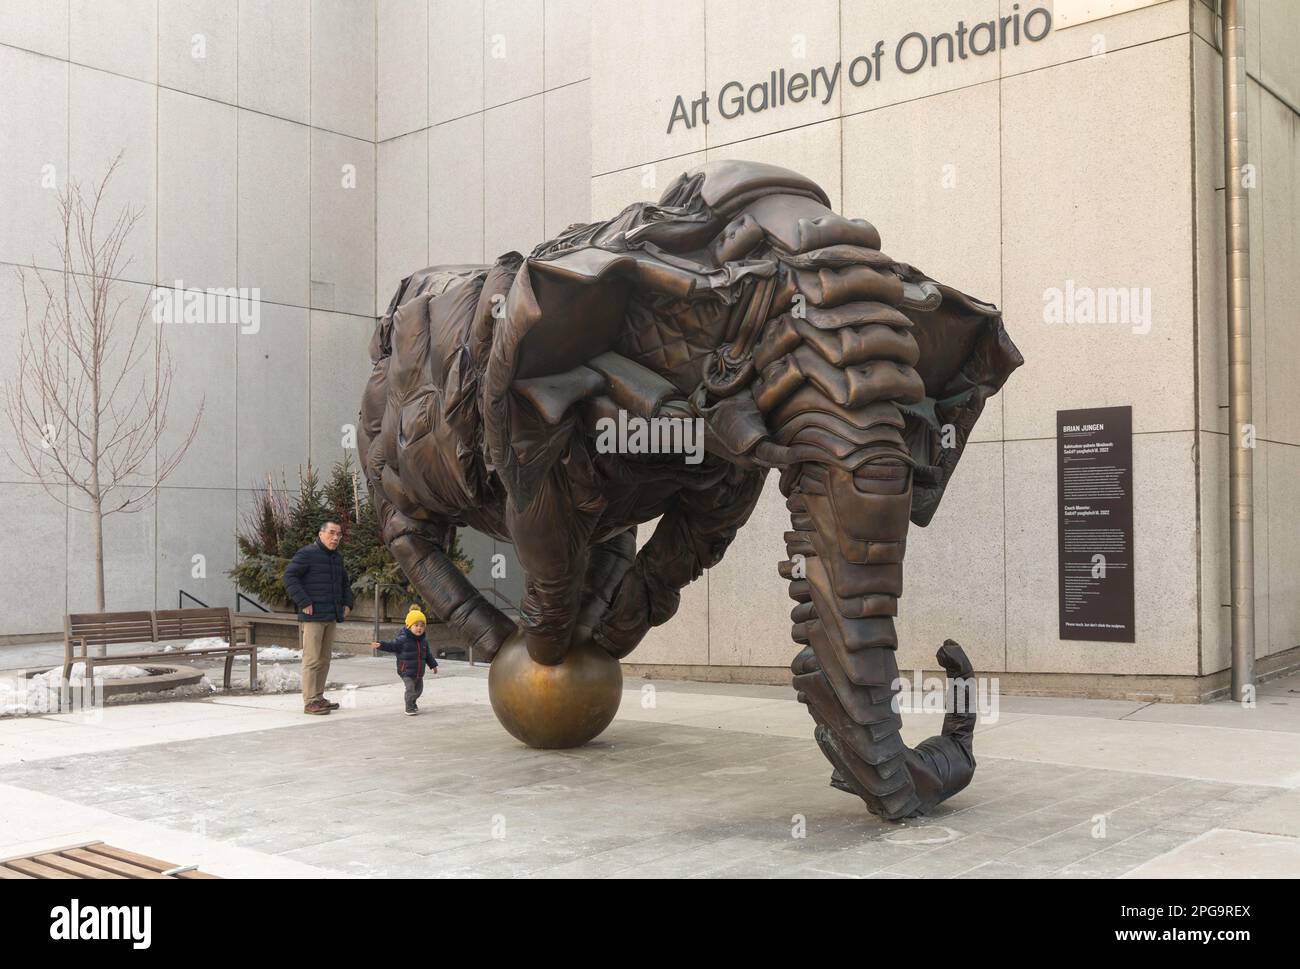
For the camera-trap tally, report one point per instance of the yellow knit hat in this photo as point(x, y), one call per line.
point(414, 616)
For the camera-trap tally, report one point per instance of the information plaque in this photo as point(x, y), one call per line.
point(1094, 491)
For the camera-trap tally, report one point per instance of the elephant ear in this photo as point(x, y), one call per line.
point(568, 303)
point(966, 356)
point(562, 309)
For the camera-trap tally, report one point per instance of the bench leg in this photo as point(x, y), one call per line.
point(252, 670)
point(230, 663)
point(65, 688)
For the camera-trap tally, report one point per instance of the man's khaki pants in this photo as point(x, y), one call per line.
point(317, 643)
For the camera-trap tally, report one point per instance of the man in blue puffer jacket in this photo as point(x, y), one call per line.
point(413, 657)
point(319, 585)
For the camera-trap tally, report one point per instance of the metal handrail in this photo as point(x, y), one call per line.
point(182, 595)
point(379, 587)
point(393, 587)
point(240, 597)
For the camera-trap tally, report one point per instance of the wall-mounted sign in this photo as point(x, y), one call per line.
point(1094, 493)
point(912, 52)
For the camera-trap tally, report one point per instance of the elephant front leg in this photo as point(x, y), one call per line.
point(447, 592)
point(551, 538)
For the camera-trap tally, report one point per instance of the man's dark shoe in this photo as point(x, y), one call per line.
point(317, 708)
point(412, 712)
point(329, 703)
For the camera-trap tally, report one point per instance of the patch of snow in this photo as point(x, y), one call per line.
point(279, 679)
point(106, 672)
point(207, 642)
point(28, 696)
point(40, 693)
point(265, 654)
point(273, 654)
point(20, 696)
point(202, 688)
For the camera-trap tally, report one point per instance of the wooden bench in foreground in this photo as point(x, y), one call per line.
point(94, 859)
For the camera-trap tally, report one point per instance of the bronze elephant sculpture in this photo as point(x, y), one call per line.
point(739, 301)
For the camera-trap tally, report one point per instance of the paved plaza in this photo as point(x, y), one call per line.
point(691, 780)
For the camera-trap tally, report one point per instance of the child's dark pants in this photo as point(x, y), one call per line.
point(414, 687)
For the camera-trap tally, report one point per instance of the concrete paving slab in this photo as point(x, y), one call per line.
point(1279, 814)
point(76, 737)
point(1288, 685)
point(51, 822)
point(1211, 753)
point(778, 718)
point(705, 784)
point(148, 716)
point(1223, 853)
point(1070, 707)
point(1270, 712)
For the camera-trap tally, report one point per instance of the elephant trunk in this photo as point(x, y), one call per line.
point(845, 552)
point(832, 386)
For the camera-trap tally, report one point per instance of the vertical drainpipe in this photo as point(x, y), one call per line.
point(1241, 436)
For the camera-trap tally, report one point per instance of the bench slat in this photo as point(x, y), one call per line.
point(131, 857)
point(115, 659)
point(7, 873)
point(36, 870)
point(176, 623)
point(73, 867)
point(112, 634)
point(112, 628)
point(111, 864)
point(101, 618)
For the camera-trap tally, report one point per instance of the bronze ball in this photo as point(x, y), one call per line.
point(559, 706)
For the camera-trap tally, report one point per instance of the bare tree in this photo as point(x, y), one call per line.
point(87, 415)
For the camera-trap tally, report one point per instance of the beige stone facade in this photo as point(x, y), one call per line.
point(1090, 157)
point(1093, 155)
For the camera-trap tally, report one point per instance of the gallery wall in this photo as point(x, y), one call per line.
point(321, 150)
point(247, 134)
point(1083, 158)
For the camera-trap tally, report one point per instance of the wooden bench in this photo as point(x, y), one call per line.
point(281, 620)
point(84, 630)
point(93, 859)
